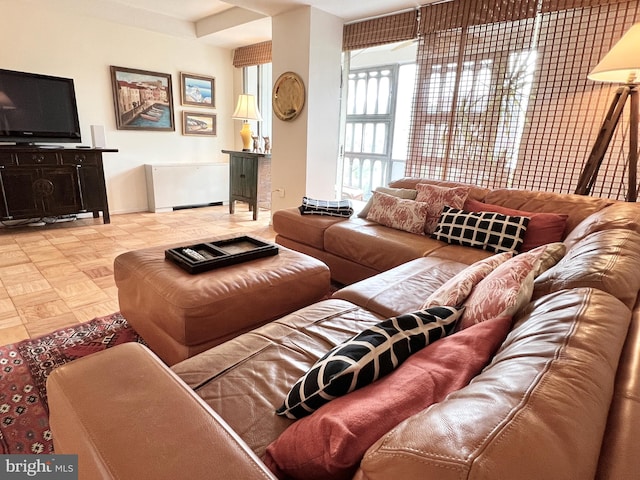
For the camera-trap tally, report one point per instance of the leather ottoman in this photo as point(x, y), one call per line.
point(180, 315)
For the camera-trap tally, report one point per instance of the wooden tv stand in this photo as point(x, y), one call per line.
point(40, 182)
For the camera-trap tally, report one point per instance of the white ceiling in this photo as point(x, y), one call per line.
point(229, 24)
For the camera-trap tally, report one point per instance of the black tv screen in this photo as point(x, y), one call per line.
point(37, 108)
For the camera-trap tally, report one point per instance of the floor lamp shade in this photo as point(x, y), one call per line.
point(246, 109)
point(620, 65)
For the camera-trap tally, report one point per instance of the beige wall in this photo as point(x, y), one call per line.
point(45, 41)
point(308, 42)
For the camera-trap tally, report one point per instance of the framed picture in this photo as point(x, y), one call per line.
point(196, 123)
point(143, 100)
point(197, 90)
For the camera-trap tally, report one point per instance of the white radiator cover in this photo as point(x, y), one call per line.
point(171, 185)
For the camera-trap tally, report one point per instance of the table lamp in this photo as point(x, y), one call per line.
point(246, 110)
point(620, 65)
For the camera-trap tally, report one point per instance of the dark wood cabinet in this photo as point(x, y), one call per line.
point(48, 182)
point(249, 179)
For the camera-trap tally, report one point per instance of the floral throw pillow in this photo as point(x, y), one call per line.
point(504, 291)
point(405, 193)
point(456, 290)
point(436, 197)
point(397, 213)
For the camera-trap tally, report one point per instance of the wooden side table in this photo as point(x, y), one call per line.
point(249, 179)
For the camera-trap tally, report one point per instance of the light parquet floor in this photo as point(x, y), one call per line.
point(62, 274)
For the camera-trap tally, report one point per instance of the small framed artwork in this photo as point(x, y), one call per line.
point(196, 123)
point(143, 100)
point(197, 90)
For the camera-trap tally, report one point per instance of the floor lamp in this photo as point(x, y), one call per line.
point(620, 65)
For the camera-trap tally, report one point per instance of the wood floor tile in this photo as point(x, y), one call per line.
point(7, 309)
point(89, 312)
point(29, 287)
point(35, 298)
point(57, 271)
point(13, 334)
point(44, 326)
point(34, 313)
point(17, 270)
point(10, 321)
point(13, 257)
point(85, 300)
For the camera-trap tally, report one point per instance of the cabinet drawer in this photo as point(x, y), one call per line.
point(80, 158)
point(37, 158)
point(7, 159)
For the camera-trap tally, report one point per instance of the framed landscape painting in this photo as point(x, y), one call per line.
point(197, 90)
point(195, 123)
point(142, 99)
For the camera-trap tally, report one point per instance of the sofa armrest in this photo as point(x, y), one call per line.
point(127, 415)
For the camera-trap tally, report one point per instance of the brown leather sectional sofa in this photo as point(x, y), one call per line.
point(560, 399)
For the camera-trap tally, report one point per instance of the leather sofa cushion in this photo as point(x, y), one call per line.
point(376, 246)
point(541, 403)
point(460, 253)
point(306, 229)
point(401, 289)
point(245, 379)
point(608, 260)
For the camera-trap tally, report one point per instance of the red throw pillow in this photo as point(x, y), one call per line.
point(330, 443)
point(543, 227)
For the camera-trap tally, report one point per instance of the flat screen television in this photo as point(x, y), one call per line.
point(37, 108)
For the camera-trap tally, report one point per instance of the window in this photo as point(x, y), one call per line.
point(256, 81)
point(378, 113)
point(503, 98)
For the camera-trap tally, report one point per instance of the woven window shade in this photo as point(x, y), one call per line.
point(380, 31)
point(255, 54)
point(503, 99)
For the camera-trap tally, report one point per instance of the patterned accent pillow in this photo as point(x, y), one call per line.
point(543, 228)
point(504, 291)
point(397, 213)
point(366, 357)
point(490, 231)
point(456, 290)
point(406, 193)
point(437, 197)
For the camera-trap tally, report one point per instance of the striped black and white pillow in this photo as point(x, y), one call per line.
point(366, 357)
point(490, 231)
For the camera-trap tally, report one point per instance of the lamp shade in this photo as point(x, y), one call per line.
point(622, 63)
point(247, 109)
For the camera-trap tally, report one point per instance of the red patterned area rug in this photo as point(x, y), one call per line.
point(24, 367)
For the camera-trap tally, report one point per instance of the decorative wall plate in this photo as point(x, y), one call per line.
point(288, 96)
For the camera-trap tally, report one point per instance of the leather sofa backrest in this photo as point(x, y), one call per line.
point(618, 215)
point(477, 193)
point(578, 207)
point(539, 409)
point(608, 260)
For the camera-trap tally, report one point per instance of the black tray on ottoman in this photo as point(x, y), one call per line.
point(202, 257)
